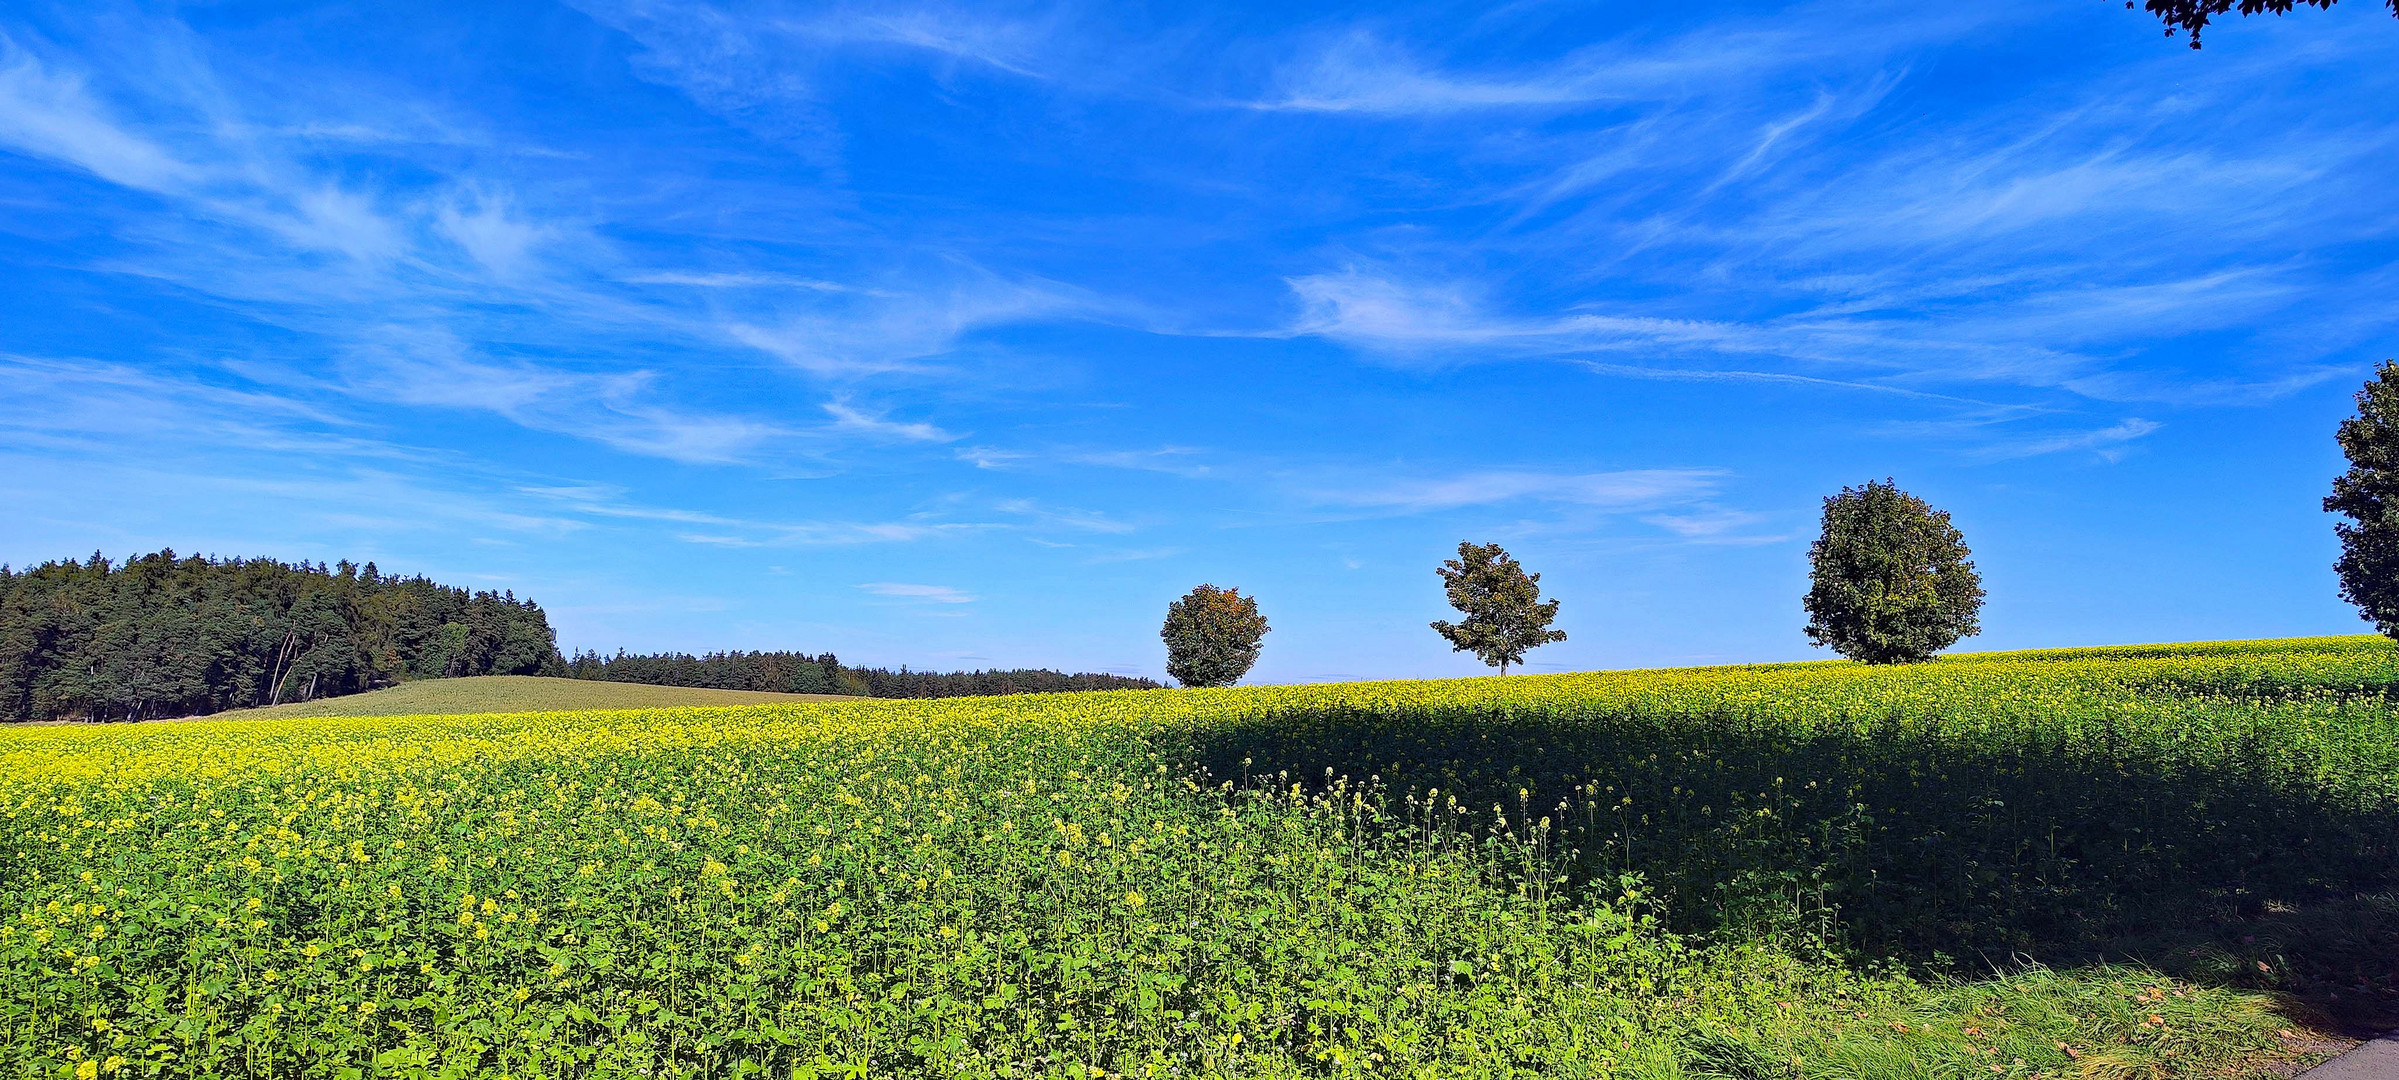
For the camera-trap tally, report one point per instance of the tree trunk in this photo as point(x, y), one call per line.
point(275, 672)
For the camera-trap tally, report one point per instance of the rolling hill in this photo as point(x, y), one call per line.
point(515, 693)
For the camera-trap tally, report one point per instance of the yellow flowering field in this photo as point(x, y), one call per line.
point(2149, 861)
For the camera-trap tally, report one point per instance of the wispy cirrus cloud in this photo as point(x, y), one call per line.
point(227, 177)
point(612, 502)
point(866, 332)
point(1182, 461)
point(1360, 72)
point(846, 418)
point(1993, 438)
point(1107, 558)
point(407, 281)
point(733, 280)
point(91, 405)
point(1621, 490)
point(1009, 45)
point(2017, 252)
point(1717, 525)
point(2055, 339)
point(50, 114)
point(485, 226)
point(623, 409)
point(240, 448)
point(1365, 72)
point(1381, 311)
point(1066, 517)
point(2109, 443)
point(759, 66)
point(1449, 321)
point(931, 594)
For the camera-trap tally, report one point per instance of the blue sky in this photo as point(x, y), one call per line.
point(965, 336)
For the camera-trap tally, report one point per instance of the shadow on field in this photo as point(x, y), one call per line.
point(1950, 852)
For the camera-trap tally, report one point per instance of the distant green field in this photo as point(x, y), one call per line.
point(513, 694)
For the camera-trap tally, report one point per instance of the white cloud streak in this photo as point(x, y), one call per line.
point(1624, 490)
point(51, 116)
point(2043, 341)
point(846, 418)
point(2109, 443)
point(868, 332)
point(1362, 72)
point(931, 594)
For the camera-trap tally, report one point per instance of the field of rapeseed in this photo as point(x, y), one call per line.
point(2088, 863)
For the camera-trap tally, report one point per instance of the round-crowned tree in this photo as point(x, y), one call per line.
point(2369, 495)
point(1505, 615)
point(1212, 636)
point(1890, 582)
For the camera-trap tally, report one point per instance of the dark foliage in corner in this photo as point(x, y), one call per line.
point(159, 635)
point(1890, 582)
point(2193, 15)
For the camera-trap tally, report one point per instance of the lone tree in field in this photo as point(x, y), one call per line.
point(1505, 614)
point(1212, 636)
point(1890, 584)
point(2369, 494)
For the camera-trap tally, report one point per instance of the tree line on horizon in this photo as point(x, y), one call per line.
point(824, 673)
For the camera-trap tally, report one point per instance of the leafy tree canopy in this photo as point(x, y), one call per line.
point(1505, 615)
point(1890, 581)
point(2194, 15)
point(2369, 495)
point(1212, 636)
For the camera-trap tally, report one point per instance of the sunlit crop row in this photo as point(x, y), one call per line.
point(1604, 874)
